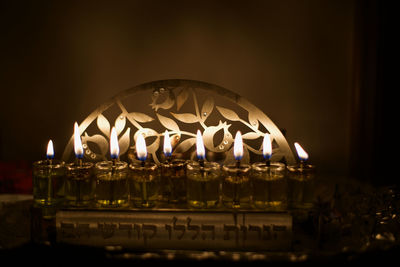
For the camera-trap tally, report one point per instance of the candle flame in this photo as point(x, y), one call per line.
point(50, 150)
point(114, 147)
point(267, 146)
point(238, 146)
point(141, 149)
point(303, 156)
point(77, 142)
point(167, 144)
point(201, 151)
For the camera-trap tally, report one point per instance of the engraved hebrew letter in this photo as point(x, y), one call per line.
point(138, 229)
point(169, 229)
point(208, 227)
point(228, 229)
point(67, 230)
point(82, 229)
point(243, 229)
point(179, 227)
point(149, 228)
point(266, 232)
point(195, 228)
point(257, 229)
point(127, 227)
point(278, 229)
point(107, 229)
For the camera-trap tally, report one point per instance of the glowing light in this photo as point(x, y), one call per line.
point(267, 146)
point(141, 149)
point(77, 142)
point(114, 147)
point(301, 152)
point(50, 150)
point(201, 151)
point(238, 146)
point(167, 144)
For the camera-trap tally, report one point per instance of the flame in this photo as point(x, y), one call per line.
point(50, 150)
point(167, 144)
point(77, 142)
point(301, 152)
point(114, 147)
point(238, 146)
point(201, 151)
point(267, 146)
point(141, 150)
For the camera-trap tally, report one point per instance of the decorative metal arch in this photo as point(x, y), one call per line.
point(181, 107)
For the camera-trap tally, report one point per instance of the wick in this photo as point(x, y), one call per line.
point(203, 183)
point(114, 165)
point(302, 164)
point(201, 162)
point(80, 162)
point(268, 162)
point(143, 163)
point(237, 163)
point(113, 169)
point(235, 200)
point(168, 160)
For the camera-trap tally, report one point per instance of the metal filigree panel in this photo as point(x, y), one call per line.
point(181, 107)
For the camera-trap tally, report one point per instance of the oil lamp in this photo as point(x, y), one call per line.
point(301, 181)
point(235, 178)
point(111, 177)
point(173, 177)
point(144, 178)
point(269, 185)
point(203, 179)
point(48, 179)
point(80, 185)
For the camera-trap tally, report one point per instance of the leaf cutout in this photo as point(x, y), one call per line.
point(124, 141)
point(207, 108)
point(253, 120)
point(168, 123)
point(120, 123)
point(140, 117)
point(97, 139)
point(185, 145)
point(228, 114)
point(181, 98)
point(250, 135)
point(103, 125)
point(185, 117)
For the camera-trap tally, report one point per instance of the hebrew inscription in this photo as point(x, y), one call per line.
point(176, 230)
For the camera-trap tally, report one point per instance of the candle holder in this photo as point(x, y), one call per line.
point(301, 183)
point(173, 181)
point(203, 183)
point(48, 182)
point(79, 184)
point(144, 184)
point(111, 183)
point(269, 186)
point(236, 185)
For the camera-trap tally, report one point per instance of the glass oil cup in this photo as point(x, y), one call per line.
point(48, 182)
point(173, 181)
point(144, 184)
point(111, 184)
point(269, 186)
point(203, 184)
point(79, 184)
point(301, 184)
point(236, 186)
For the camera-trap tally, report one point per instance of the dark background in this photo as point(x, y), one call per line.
point(316, 68)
